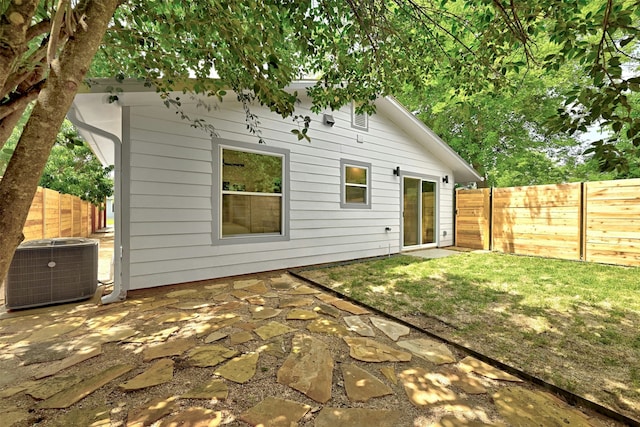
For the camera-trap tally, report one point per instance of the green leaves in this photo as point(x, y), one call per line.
point(73, 169)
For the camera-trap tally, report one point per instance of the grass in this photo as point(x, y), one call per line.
point(572, 324)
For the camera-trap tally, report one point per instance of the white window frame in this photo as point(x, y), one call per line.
point(218, 192)
point(344, 163)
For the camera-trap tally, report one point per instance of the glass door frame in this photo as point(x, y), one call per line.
point(436, 181)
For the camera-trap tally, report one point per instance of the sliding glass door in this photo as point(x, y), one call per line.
point(419, 212)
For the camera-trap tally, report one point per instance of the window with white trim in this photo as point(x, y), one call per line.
point(252, 193)
point(355, 189)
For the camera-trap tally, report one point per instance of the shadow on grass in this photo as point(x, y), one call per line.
point(571, 324)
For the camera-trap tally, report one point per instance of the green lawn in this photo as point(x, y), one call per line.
point(576, 325)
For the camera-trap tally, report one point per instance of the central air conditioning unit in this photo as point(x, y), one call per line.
point(52, 271)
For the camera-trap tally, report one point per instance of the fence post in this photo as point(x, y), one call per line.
point(491, 218)
point(59, 214)
point(582, 224)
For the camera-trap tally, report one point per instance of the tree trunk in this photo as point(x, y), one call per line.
point(20, 181)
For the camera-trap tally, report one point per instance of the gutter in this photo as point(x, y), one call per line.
point(119, 289)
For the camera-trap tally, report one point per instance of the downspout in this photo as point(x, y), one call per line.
point(119, 289)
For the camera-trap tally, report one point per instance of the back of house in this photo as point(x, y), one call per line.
point(198, 202)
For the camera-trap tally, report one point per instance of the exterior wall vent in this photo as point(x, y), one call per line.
point(359, 121)
point(52, 271)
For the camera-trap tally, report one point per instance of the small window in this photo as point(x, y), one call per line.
point(356, 184)
point(359, 121)
point(252, 198)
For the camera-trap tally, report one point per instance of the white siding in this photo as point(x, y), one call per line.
point(171, 193)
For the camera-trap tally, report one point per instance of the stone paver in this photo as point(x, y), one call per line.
point(181, 293)
point(242, 284)
point(56, 330)
point(14, 416)
point(433, 351)
point(46, 351)
point(159, 373)
point(239, 369)
point(463, 381)
point(169, 348)
point(215, 388)
point(272, 329)
point(327, 326)
point(113, 334)
point(13, 390)
point(390, 374)
point(523, 407)
point(45, 389)
point(357, 417)
point(154, 305)
point(79, 357)
point(176, 317)
point(56, 354)
point(192, 305)
point(68, 397)
point(299, 314)
point(215, 336)
point(295, 302)
point(240, 337)
point(368, 350)
point(357, 325)
point(302, 290)
point(194, 417)
point(210, 355)
point(273, 412)
point(329, 310)
point(349, 307)
point(263, 313)
point(391, 329)
point(94, 417)
point(453, 421)
point(106, 320)
point(153, 411)
point(309, 368)
point(326, 298)
point(471, 364)
point(423, 388)
point(360, 385)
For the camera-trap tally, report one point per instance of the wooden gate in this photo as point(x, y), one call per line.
point(473, 218)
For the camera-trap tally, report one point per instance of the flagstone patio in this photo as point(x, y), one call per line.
point(261, 350)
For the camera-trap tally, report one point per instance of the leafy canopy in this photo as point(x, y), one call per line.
point(74, 169)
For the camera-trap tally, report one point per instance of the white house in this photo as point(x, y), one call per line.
point(192, 207)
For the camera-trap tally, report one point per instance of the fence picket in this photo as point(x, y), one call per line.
point(58, 215)
point(594, 221)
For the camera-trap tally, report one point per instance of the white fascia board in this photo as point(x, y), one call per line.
point(95, 110)
point(462, 171)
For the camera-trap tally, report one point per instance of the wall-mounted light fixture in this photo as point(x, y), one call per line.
point(396, 171)
point(445, 179)
point(328, 120)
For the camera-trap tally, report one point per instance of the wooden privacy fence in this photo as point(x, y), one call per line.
point(60, 215)
point(592, 221)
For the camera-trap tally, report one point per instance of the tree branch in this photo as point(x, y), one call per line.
point(36, 62)
point(14, 24)
point(19, 100)
point(56, 27)
point(38, 29)
point(8, 124)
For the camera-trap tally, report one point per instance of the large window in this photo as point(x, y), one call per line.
point(356, 184)
point(252, 193)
